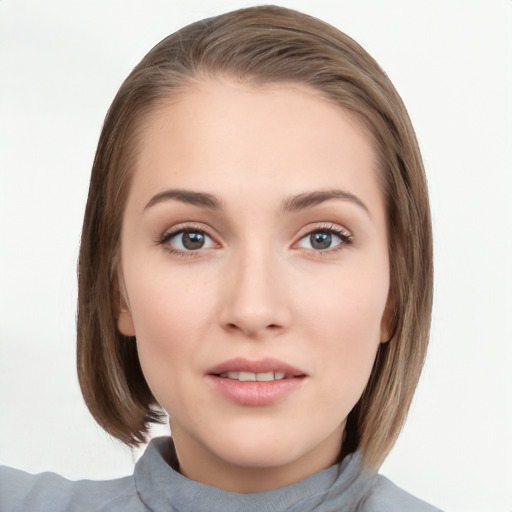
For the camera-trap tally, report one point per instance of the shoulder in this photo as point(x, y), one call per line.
point(385, 496)
point(21, 492)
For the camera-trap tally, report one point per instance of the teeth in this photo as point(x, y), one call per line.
point(262, 377)
point(252, 377)
point(246, 376)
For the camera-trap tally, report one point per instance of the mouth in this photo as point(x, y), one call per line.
point(255, 383)
point(262, 370)
point(254, 377)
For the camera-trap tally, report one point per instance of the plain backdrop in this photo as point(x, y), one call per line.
point(61, 63)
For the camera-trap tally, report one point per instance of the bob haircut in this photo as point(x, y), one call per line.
point(258, 45)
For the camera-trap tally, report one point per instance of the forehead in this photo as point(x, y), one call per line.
point(229, 137)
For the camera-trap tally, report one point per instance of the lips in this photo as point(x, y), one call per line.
point(255, 383)
point(261, 366)
point(253, 377)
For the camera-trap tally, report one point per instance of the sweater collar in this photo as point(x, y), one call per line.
point(162, 488)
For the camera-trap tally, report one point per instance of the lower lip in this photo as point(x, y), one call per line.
point(255, 393)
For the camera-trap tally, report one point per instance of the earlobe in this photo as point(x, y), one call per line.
point(122, 310)
point(125, 322)
point(388, 323)
point(385, 335)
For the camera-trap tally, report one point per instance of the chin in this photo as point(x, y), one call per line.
point(275, 448)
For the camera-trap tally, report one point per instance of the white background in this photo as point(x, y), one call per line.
point(61, 63)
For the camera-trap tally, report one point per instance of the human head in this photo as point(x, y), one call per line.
point(258, 45)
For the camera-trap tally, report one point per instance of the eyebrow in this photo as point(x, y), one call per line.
point(186, 196)
point(292, 204)
point(309, 199)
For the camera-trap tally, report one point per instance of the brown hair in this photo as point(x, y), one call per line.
point(259, 45)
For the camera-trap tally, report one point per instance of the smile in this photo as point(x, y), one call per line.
point(253, 377)
point(255, 383)
point(260, 370)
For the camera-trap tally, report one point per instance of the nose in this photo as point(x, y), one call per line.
point(254, 296)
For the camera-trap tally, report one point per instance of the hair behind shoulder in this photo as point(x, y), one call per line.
point(258, 45)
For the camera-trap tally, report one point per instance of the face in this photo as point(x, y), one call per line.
point(254, 266)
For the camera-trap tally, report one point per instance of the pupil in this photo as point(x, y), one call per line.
point(320, 240)
point(193, 240)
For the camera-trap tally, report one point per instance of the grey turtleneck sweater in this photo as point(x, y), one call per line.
point(155, 486)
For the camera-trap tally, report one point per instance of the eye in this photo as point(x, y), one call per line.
point(187, 240)
point(324, 239)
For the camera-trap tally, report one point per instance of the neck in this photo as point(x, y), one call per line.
point(198, 463)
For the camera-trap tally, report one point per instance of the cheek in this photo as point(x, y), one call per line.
point(345, 323)
point(345, 302)
point(167, 305)
point(169, 317)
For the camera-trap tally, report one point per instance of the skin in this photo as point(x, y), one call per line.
point(258, 288)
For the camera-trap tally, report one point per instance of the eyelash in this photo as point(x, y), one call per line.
point(163, 241)
point(345, 237)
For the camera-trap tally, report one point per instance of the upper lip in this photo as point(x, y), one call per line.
point(265, 365)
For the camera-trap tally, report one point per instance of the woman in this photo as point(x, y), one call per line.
point(256, 260)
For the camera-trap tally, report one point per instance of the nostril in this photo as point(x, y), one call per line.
point(233, 327)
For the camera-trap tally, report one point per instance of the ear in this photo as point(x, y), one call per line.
point(122, 309)
point(125, 322)
point(388, 321)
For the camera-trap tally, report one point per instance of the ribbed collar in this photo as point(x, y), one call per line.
point(162, 488)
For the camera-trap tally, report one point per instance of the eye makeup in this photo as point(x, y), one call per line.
point(188, 240)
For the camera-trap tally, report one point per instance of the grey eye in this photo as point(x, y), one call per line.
point(190, 241)
point(320, 240)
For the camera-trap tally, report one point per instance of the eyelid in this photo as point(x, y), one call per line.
point(326, 226)
point(340, 231)
point(184, 227)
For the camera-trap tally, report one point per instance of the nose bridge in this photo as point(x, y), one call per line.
point(255, 298)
